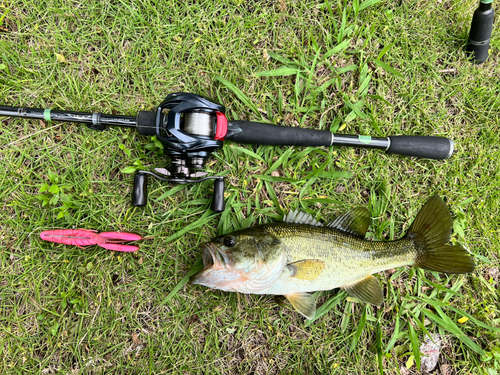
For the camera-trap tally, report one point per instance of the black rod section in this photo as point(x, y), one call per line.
point(97, 119)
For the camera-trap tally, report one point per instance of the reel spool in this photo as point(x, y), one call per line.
point(199, 123)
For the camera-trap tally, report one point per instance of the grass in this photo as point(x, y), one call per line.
point(376, 68)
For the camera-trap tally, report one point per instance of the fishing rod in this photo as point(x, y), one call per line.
point(191, 127)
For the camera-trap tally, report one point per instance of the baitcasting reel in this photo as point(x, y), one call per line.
point(191, 127)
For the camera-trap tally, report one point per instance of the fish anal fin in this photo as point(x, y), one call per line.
point(367, 290)
point(304, 303)
point(355, 221)
point(308, 269)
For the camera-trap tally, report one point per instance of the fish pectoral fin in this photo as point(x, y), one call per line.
point(308, 269)
point(304, 303)
point(355, 221)
point(367, 290)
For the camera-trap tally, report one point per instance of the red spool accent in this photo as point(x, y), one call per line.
point(221, 130)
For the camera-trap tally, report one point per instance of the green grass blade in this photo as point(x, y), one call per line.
point(205, 218)
point(476, 321)
point(442, 288)
point(247, 152)
point(342, 30)
point(336, 49)
point(346, 69)
point(273, 196)
point(170, 192)
point(335, 174)
point(307, 186)
point(197, 266)
point(387, 68)
point(225, 219)
point(432, 302)
point(327, 306)
point(239, 94)
point(281, 160)
point(7, 11)
point(309, 79)
point(384, 51)
point(379, 349)
point(368, 3)
point(276, 179)
point(282, 59)
point(363, 88)
point(394, 337)
point(280, 72)
point(447, 324)
point(415, 344)
point(359, 330)
point(310, 201)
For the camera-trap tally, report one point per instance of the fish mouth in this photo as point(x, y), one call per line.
point(213, 261)
point(207, 256)
point(212, 257)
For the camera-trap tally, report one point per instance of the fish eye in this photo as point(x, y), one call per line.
point(229, 241)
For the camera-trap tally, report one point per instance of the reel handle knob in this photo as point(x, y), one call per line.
point(140, 190)
point(218, 203)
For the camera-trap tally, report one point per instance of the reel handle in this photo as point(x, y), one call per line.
point(218, 203)
point(140, 189)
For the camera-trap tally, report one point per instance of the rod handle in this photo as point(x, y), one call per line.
point(421, 146)
point(258, 133)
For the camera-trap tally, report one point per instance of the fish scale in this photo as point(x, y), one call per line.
point(347, 258)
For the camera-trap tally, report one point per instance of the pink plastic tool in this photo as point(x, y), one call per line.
point(85, 237)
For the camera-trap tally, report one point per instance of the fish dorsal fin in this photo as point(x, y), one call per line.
point(355, 221)
point(300, 217)
point(308, 269)
point(367, 290)
point(304, 303)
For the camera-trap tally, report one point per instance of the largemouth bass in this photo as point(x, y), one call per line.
point(299, 256)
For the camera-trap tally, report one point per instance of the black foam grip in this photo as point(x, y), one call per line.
point(258, 133)
point(218, 203)
point(146, 123)
point(480, 33)
point(421, 146)
point(140, 190)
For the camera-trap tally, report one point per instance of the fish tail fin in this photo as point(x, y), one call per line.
point(430, 231)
